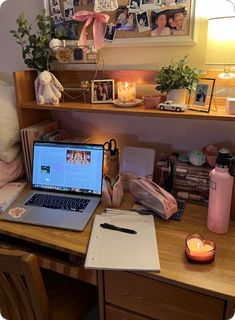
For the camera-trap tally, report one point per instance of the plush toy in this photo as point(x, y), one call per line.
point(47, 88)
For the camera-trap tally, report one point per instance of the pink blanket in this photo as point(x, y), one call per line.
point(11, 171)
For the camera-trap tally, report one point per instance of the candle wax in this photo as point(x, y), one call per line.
point(197, 247)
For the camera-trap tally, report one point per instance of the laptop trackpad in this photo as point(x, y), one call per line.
point(43, 216)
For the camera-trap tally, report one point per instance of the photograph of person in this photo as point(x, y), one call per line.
point(110, 32)
point(125, 20)
point(78, 157)
point(102, 91)
point(54, 3)
point(201, 94)
point(134, 5)
point(159, 24)
point(68, 14)
point(143, 21)
point(55, 10)
point(57, 19)
point(180, 23)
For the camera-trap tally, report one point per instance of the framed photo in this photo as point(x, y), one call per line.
point(102, 91)
point(200, 98)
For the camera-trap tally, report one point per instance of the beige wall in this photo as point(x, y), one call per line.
point(161, 133)
point(11, 58)
point(158, 132)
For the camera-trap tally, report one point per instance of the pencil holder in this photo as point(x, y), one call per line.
point(111, 164)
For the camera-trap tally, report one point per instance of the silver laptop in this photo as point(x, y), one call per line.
point(66, 183)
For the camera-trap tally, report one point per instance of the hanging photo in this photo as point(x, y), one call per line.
point(126, 20)
point(169, 22)
point(143, 21)
point(110, 32)
point(58, 19)
point(151, 4)
point(134, 5)
point(201, 96)
point(68, 10)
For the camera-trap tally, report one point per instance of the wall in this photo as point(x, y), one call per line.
point(11, 58)
point(159, 132)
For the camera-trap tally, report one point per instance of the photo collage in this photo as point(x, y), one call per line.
point(64, 27)
point(158, 17)
point(151, 18)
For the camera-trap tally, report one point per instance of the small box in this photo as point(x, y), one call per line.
point(230, 105)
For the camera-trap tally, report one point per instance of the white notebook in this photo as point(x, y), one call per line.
point(115, 250)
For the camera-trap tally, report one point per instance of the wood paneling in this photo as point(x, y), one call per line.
point(159, 300)
point(113, 313)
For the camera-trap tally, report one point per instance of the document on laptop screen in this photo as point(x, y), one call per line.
point(68, 167)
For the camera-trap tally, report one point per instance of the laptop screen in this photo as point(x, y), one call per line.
point(68, 167)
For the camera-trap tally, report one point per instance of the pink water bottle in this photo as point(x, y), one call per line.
point(221, 185)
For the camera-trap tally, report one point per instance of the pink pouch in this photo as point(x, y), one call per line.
point(112, 194)
point(153, 197)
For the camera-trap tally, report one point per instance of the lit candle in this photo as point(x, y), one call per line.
point(199, 250)
point(126, 91)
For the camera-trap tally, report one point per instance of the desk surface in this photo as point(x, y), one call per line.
point(218, 278)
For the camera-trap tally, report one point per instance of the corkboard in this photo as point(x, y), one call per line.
point(187, 7)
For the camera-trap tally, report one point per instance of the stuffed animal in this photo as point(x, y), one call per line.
point(47, 88)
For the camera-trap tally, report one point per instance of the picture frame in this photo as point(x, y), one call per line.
point(102, 91)
point(141, 37)
point(201, 96)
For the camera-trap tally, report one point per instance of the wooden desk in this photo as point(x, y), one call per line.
point(181, 291)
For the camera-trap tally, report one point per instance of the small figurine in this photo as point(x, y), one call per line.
point(47, 88)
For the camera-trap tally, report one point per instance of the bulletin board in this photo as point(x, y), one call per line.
point(141, 22)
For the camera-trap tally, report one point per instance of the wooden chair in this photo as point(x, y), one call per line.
point(23, 294)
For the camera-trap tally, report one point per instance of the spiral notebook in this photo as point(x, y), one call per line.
point(115, 250)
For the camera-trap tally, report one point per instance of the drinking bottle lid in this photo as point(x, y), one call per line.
point(223, 157)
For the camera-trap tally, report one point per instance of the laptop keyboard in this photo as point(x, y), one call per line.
point(58, 202)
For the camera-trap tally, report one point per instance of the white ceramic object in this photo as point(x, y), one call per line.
point(178, 96)
point(122, 104)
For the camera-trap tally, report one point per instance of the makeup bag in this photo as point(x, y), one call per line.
point(153, 197)
point(112, 193)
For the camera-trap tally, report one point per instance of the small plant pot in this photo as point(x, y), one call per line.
point(151, 102)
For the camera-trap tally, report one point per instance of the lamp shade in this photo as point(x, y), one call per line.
point(221, 41)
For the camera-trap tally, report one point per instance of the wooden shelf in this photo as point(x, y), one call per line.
point(220, 114)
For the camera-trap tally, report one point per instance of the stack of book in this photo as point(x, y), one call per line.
point(46, 131)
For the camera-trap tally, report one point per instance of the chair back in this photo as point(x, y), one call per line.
point(22, 292)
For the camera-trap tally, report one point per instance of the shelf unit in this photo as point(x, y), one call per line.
point(30, 112)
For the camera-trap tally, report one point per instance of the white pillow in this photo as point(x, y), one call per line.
point(9, 126)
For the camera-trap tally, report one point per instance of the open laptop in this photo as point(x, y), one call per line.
point(66, 183)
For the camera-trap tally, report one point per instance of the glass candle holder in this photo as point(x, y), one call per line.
point(126, 91)
point(198, 249)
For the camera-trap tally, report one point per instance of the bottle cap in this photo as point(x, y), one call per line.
point(223, 158)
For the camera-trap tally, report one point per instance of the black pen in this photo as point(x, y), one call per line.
point(116, 228)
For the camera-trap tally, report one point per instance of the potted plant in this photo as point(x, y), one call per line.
point(36, 55)
point(35, 47)
point(176, 79)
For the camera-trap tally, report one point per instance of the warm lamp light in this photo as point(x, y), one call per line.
point(221, 44)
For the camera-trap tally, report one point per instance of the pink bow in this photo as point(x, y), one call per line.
point(99, 19)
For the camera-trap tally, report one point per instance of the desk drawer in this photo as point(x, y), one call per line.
point(159, 300)
point(113, 313)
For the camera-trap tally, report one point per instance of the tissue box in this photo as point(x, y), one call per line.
point(230, 105)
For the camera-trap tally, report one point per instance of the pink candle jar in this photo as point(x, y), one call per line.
point(198, 249)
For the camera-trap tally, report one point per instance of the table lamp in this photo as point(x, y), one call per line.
point(221, 44)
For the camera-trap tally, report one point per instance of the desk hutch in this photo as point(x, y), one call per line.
point(181, 291)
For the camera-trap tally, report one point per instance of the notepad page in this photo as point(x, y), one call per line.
point(114, 250)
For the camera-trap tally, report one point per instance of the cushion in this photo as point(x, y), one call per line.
point(11, 171)
point(9, 126)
